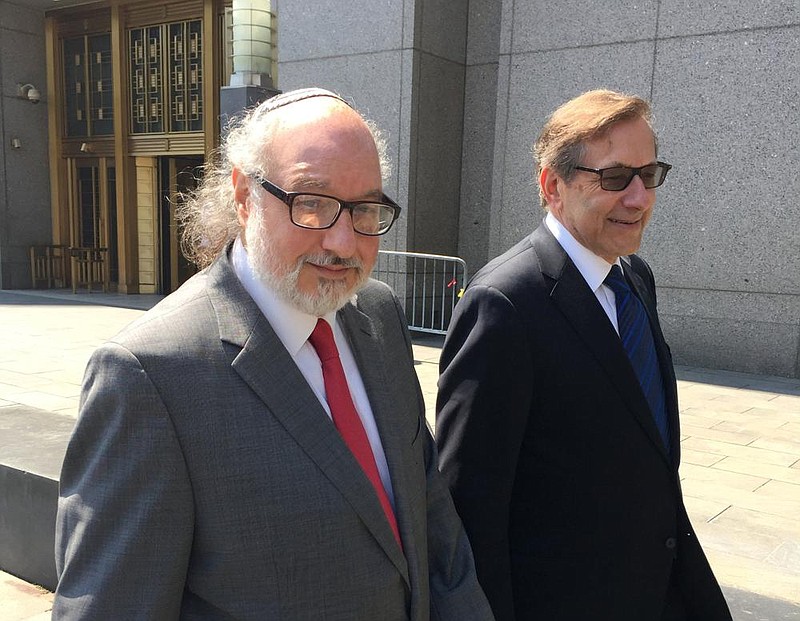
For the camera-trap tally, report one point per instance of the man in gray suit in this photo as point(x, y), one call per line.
point(226, 464)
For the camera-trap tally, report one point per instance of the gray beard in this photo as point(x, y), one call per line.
point(330, 295)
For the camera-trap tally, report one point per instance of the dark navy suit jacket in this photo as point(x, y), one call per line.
point(571, 501)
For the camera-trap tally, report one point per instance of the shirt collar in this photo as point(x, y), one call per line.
point(593, 268)
point(292, 325)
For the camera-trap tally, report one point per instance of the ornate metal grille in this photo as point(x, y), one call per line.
point(166, 78)
point(186, 77)
point(147, 109)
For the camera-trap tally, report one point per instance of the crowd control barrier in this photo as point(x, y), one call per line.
point(428, 286)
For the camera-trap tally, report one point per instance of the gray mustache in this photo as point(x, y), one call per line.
point(332, 259)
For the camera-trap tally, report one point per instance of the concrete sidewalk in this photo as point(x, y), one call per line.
point(740, 444)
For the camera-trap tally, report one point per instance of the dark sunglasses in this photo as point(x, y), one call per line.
point(617, 178)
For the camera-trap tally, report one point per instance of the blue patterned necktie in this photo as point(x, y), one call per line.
point(637, 339)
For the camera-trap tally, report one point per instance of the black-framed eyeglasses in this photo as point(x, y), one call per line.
point(320, 211)
point(617, 178)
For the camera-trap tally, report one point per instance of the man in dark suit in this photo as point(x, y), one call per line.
point(557, 416)
point(255, 447)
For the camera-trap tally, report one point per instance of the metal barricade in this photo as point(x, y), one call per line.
point(428, 286)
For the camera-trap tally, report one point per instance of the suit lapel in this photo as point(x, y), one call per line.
point(265, 365)
point(371, 362)
point(580, 307)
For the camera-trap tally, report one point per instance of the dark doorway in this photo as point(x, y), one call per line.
point(178, 176)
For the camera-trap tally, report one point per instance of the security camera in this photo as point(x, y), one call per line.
point(29, 92)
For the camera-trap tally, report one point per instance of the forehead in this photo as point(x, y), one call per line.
point(630, 142)
point(318, 137)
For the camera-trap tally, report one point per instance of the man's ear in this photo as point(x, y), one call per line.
point(241, 192)
point(552, 186)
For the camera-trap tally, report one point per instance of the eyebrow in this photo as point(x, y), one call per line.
point(307, 182)
point(303, 183)
point(616, 163)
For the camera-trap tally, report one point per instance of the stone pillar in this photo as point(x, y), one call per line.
point(252, 80)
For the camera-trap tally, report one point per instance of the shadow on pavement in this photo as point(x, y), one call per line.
point(747, 606)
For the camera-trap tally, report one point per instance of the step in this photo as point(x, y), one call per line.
point(32, 447)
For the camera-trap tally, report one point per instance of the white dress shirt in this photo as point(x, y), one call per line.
point(293, 328)
point(594, 269)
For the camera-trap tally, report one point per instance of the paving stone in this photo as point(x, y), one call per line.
point(726, 448)
point(22, 380)
point(756, 520)
point(42, 400)
point(705, 391)
point(719, 405)
point(789, 402)
point(757, 577)
point(782, 445)
point(722, 478)
point(758, 546)
point(713, 377)
point(753, 467)
point(22, 601)
point(787, 506)
point(787, 557)
point(750, 395)
point(704, 510)
point(694, 420)
point(747, 423)
point(731, 437)
point(699, 458)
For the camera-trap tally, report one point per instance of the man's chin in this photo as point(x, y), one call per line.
point(309, 292)
point(329, 296)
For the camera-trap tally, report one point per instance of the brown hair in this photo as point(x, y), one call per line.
point(561, 144)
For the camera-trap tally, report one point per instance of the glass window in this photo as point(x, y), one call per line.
point(88, 86)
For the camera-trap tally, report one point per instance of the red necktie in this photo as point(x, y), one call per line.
point(344, 414)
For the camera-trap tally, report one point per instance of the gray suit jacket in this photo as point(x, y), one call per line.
point(205, 481)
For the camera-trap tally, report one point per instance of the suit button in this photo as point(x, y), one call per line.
point(671, 543)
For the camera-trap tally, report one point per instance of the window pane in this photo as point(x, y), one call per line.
point(100, 85)
point(76, 123)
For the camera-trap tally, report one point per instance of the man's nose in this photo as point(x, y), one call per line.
point(636, 195)
point(341, 237)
